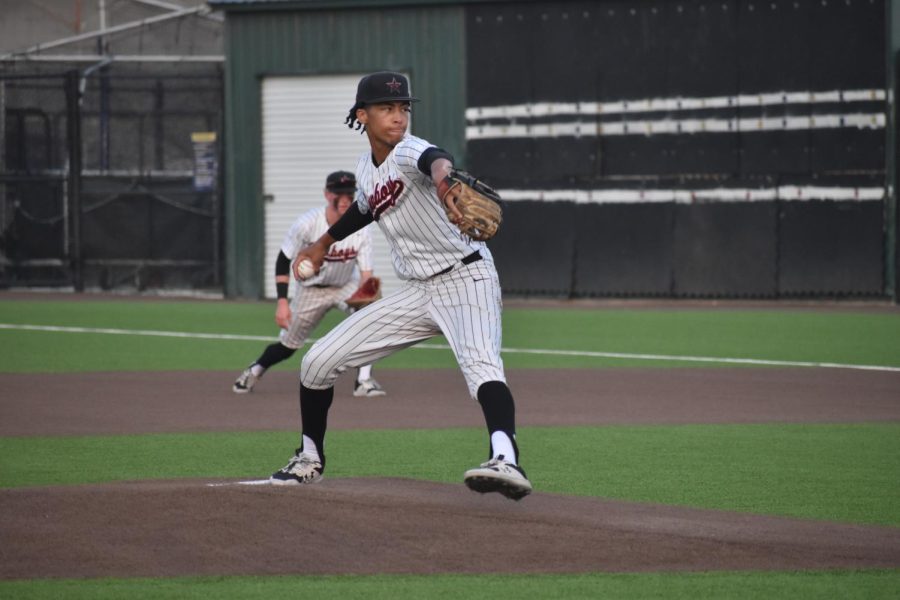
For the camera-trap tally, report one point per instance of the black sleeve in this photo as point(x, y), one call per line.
point(352, 221)
point(282, 265)
point(429, 156)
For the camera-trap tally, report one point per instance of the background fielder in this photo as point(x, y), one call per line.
point(451, 287)
point(335, 282)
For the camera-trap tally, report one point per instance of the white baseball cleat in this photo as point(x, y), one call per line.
point(301, 469)
point(369, 388)
point(501, 476)
point(245, 382)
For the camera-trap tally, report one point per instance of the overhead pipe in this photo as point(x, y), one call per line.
point(104, 31)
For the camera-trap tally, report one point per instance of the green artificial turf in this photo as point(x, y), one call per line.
point(799, 585)
point(792, 335)
point(247, 318)
point(835, 472)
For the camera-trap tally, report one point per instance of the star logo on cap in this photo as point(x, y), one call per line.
point(394, 85)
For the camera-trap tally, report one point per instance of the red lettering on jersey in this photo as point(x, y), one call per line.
point(341, 255)
point(385, 196)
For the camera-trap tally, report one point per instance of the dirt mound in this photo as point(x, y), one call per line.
point(396, 526)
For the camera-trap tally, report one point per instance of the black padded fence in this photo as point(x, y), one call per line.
point(687, 149)
point(825, 247)
point(156, 233)
point(723, 249)
point(624, 249)
point(778, 249)
point(529, 254)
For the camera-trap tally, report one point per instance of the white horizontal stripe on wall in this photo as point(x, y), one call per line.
point(788, 193)
point(676, 126)
point(546, 109)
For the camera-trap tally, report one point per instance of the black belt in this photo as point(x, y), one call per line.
point(474, 257)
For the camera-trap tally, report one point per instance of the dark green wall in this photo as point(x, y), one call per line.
point(426, 42)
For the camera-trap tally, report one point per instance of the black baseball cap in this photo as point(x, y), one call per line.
point(383, 86)
point(341, 182)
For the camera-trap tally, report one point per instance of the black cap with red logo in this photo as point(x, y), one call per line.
point(383, 86)
point(341, 182)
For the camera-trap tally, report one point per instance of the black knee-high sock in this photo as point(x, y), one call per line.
point(314, 405)
point(274, 354)
point(499, 411)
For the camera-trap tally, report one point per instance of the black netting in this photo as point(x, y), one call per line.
point(108, 199)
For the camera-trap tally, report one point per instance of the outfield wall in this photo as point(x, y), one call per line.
point(732, 148)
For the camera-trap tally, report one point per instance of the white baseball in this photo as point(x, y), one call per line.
point(306, 269)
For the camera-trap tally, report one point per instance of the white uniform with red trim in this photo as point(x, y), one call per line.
point(440, 293)
point(336, 280)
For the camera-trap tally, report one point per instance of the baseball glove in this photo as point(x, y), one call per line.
point(366, 294)
point(476, 201)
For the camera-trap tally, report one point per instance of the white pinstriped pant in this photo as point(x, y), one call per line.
point(464, 304)
point(308, 308)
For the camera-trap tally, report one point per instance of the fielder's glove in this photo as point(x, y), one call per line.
point(476, 201)
point(366, 294)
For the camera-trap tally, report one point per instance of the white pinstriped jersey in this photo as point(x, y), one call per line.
point(404, 202)
point(343, 256)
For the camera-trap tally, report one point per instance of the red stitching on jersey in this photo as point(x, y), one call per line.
point(385, 196)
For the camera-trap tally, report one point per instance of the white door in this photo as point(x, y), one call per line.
point(305, 139)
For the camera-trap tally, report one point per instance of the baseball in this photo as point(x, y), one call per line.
point(305, 269)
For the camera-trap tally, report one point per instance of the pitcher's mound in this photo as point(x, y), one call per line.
point(190, 527)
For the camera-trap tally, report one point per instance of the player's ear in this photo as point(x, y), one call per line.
point(362, 115)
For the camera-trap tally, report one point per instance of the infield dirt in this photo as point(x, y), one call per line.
point(155, 402)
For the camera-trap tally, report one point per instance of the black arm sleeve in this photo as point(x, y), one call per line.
point(429, 156)
point(352, 221)
point(282, 265)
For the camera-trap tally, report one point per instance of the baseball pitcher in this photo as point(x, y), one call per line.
point(409, 188)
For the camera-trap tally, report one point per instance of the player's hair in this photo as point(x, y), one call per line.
point(351, 120)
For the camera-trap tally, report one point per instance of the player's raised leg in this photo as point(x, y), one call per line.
point(501, 473)
point(474, 332)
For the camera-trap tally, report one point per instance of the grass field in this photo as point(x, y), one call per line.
point(841, 472)
point(812, 336)
point(849, 585)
